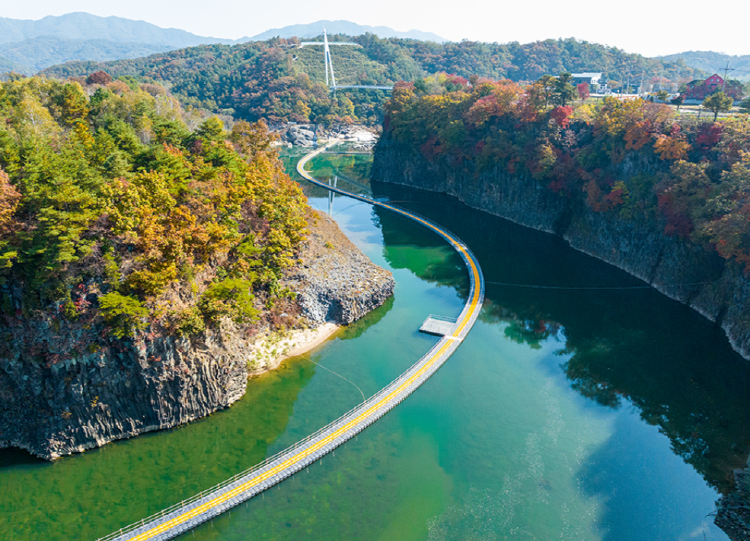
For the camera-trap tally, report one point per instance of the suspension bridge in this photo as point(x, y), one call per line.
point(331, 81)
point(210, 503)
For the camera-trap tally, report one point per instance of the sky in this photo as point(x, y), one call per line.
point(647, 27)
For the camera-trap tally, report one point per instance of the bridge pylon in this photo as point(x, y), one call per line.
point(328, 61)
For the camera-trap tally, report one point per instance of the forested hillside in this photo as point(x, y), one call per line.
point(633, 160)
point(32, 55)
point(279, 81)
point(112, 210)
point(712, 62)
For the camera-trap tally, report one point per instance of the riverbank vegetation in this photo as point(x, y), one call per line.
point(112, 209)
point(630, 158)
point(280, 82)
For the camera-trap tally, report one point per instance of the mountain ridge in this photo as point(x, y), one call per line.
point(348, 28)
point(82, 25)
point(28, 46)
point(713, 62)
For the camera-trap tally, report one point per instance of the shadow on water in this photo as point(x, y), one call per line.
point(89, 495)
point(622, 346)
point(357, 328)
point(402, 235)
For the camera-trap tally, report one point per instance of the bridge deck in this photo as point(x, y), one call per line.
point(188, 514)
point(370, 87)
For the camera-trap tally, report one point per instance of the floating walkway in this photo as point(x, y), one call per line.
point(188, 514)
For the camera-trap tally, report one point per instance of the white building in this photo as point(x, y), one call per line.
point(592, 79)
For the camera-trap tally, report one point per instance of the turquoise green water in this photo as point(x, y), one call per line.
point(597, 415)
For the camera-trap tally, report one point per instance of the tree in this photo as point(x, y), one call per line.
point(583, 91)
point(561, 115)
point(745, 105)
point(718, 103)
point(564, 91)
point(662, 96)
point(678, 101)
point(99, 78)
point(547, 85)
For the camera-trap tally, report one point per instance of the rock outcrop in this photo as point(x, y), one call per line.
point(733, 513)
point(57, 399)
point(337, 282)
point(681, 270)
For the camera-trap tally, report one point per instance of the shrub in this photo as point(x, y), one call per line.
point(230, 298)
point(122, 313)
point(189, 322)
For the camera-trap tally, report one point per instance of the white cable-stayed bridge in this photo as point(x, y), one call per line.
point(331, 81)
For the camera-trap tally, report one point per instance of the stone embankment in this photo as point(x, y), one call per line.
point(58, 398)
point(681, 270)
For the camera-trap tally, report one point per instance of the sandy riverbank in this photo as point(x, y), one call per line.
point(273, 349)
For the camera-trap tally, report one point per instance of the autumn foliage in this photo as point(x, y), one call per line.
point(112, 207)
point(630, 157)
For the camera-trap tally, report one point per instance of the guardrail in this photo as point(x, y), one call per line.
point(443, 318)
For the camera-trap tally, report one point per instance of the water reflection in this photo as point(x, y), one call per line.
point(89, 495)
point(633, 346)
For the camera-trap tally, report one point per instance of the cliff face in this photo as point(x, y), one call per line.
point(56, 399)
point(681, 270)
point(336, 282)
point(733, 513)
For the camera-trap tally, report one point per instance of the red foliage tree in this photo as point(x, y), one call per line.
point(561, 115)
point(99, 78)
point(583, 91)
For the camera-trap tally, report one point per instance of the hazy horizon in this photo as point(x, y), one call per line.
point(642, 27)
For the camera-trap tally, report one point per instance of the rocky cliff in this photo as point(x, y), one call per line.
point(681, 270)
point(57, 399)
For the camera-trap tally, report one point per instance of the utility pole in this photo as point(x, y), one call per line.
point(640, 90)
point(723, 82)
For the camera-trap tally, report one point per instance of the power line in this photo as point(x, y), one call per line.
point(307, 356)
point(578, 288)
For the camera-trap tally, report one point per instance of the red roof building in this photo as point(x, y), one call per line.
point(700, 90)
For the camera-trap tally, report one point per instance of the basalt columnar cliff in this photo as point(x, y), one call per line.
point(143, 264)
point(152, 381)
point(617, 181)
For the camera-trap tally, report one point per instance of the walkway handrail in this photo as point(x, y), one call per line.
point(443, 318)
point(207, 504)
point(369, 87)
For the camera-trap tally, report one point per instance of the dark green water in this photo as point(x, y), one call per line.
point(566, 414)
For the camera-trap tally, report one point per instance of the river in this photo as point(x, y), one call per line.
point(587, 414)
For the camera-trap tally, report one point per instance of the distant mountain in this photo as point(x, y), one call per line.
point(35, 54)
point(343, 27)
point(712, 62)
point(81, 25)
point(29, 46)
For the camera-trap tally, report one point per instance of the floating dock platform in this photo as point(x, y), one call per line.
point(438, 325)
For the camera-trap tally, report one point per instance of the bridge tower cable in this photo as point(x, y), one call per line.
point(328, 62)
